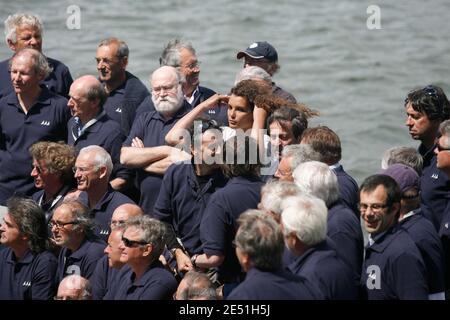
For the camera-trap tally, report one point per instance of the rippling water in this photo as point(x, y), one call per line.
point(357, 78)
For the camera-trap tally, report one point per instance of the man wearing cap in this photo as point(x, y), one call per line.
point(262, 54)
point(421, 231)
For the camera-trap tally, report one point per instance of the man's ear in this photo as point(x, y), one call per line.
point(103, 170)
point(11, 45)
point(148, 250)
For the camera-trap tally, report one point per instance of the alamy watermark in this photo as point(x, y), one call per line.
point(373, 22)
point(73, 21)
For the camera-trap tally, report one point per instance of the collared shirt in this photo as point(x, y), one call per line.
point(45, 121)
point(50, 206)
point(123, 102)
point(322, 266)
point(82, 261)
point(155, 284)
point(103, 210)
point(152, 128)
point(103, 132)
point(274, 285)
point(102, 278)
point(190, 99)
point(218, 226)
point(394, 269)
point(32, 278)
point(58, 81)
point(182, 200)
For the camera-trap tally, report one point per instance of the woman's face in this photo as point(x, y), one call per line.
point(240, 115)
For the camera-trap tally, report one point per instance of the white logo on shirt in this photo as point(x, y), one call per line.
point(45, 123)
point(119, 110)
point(446, 225)
point(104, 232)
point(434, 176)
point(373, 277)
point(26, 284)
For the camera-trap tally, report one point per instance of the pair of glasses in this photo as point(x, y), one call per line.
point(375, 207)
point(441, 148)
point(80, 169)
point(132, 243)
point(59, 224)
point(117, 223)
point(193, 65)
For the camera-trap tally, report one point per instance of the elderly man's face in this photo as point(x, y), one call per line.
point(63, 226)
point(284, 172)
point(167, 95)
point(42, 176)
point(442, 152)
point(132, 249)
point(113, 249)
point(24, 78)
point(27, 37)
point(79, 104)
point(109, 66)
point(86, 173)
point(189, 67)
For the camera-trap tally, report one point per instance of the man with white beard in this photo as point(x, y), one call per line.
point(145, 148)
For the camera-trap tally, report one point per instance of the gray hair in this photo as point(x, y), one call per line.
point(77, 282)
point(171, 53)
point(175, 71)
point(444, 130)
point(405, 155)
point(122, 50)
point(39, 61)
point(152, 231)
point(300, 153)
point(81, 215)
point(16, 20)
point(274, 192)
point(95, 92)
point(253, 73)
point(199, 286)
point(30, 218)
point(101, 158)
point(306, 217)
point(317, 179)
point(261, 238)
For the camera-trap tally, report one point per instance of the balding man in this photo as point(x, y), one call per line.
point(125, 91)
point(29, 114)
point(25, 31)
point(74, 287)
point(90, 125)
point(125, 212)
point(145, 147)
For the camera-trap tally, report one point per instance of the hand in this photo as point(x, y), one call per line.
point(184, 263)
point(214, 100)
point(137, 143)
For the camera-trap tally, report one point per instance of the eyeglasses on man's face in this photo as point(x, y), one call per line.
point(59, 224)
point(375, 207)
point(117, 223)
point(132, 243)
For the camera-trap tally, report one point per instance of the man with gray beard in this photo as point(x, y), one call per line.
point(145, 148)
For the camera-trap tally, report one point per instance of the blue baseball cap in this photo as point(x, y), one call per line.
point(260, 50)
point(406, 177)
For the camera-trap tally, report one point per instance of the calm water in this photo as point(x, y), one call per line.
point(357, 78)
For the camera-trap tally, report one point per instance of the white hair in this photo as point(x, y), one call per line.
point(101, 158)
point(300, 153)
point(306, 217)
point(274, 192)
point(317, 179)
point(253, 73)
point(16, 20)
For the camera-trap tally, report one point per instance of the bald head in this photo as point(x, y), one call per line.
point(167, 73)
point(123, 213)
point(74, 287)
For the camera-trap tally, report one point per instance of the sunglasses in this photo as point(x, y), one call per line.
point(132, 243)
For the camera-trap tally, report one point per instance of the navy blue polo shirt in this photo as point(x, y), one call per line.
point(348, 188)
point(444, 234)
point(155, 284)
point(45, 121)
point(83, 261)
point(434, 186)
point(123, 101)
point(425, 237)
point(218, 226)
point(322, 266)
point(344, 228)
point(50, 206)
point(279, 92)
point(102, 278)
point(182, 200)
point(103, 210)
point(105, 133)
point(152, 128)
point(32, 278)
point(58, 81)
point(394, 269)
point(274, 285)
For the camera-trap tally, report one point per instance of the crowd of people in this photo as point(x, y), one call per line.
point(117, 193)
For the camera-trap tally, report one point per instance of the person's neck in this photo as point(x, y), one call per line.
point(203, 169)
point(94, 195)
point(76, 243)
point(28, 100)
point(429, 142)
point(188, 90)
point(113, 84)
point(300, 249)
point(20, 251)
point(51, 190)
point(140, 268)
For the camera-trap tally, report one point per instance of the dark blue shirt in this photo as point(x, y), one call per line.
point(345, 231)
point(434, 186)
point(32, 278)
point(425, 237)
point(218, 226)
point(182, 200)
point(45, 121)
point(348, 189)
point(322, 266)
point(52, 204)
point(123, 102)
point(155, 284)
point(103, 210)
point(102, 278)
point(58, 81)
point(105, 133)
point(152, 128)
point(81, 262)
point(394, 269)
point(273, 285)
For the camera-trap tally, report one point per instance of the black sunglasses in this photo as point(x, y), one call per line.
point(132, 243)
